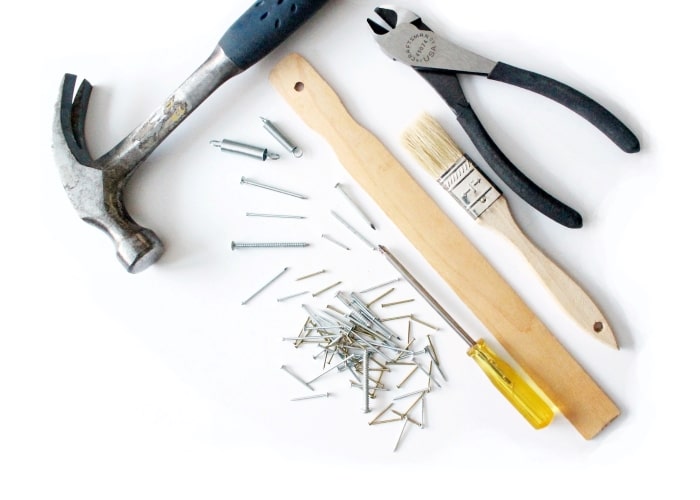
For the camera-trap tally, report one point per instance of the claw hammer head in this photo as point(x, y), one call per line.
point(96, 188)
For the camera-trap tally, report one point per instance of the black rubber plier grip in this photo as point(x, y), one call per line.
point(439, 62)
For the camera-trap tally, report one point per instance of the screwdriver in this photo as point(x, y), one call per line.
point(515, 389)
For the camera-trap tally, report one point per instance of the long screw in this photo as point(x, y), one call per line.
point(272, 188)
point(365, 378)
point(278, 244)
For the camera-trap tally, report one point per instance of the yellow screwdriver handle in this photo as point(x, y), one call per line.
point(512, 386)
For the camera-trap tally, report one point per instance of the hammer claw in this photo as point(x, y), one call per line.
point(79, 113)
point(96, 190)
point(72, 113)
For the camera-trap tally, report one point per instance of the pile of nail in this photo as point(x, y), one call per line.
point(358, 344)
point(355, 341)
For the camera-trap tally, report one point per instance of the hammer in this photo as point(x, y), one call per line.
point(96, 186)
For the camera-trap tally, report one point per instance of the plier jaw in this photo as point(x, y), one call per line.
point(404, 37)
point(390, 17)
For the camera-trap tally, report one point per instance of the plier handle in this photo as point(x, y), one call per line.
point(404, 37)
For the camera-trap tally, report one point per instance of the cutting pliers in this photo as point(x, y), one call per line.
point(404, 37)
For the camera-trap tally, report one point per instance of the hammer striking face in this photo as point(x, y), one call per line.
point(96, 186)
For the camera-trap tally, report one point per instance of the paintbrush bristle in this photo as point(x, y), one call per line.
point(431, 145)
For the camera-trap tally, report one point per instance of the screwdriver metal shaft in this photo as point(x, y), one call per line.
point(513, 387)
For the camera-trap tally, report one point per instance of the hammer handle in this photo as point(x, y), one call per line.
point(263, 27)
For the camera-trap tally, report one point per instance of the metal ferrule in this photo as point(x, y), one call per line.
point(470, 186)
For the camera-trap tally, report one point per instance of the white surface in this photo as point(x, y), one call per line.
point(162, 385)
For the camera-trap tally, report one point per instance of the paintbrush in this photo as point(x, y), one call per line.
point(435, 150)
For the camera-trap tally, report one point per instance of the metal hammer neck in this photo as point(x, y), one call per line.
point(141, 142)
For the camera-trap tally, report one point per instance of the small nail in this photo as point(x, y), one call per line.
point(371, 289)
point(307, 276)
point(251, 182)
point(316, 294)
point(315, 396)
point(264, 286)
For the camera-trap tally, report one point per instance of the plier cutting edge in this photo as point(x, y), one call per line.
point(404, 37)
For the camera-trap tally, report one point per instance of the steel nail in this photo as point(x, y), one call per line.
point(311, 275)
point(316, 294)
point(354, 231)
point(333, 240)
point(272, 188)
point(288, 297)
point(371, 289)
point(297, 377)
point(315, 396)
point(380, 297)
point(264, 286)
point(340, 188)
point(274, 216)
point(389, 304)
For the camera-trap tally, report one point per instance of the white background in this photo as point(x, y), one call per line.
point(162, 385)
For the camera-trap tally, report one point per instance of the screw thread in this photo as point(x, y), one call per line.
point(365, 378)
point(235, 245)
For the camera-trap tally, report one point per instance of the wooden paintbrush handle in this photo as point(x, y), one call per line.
point(569, 294)
point(447, 250)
